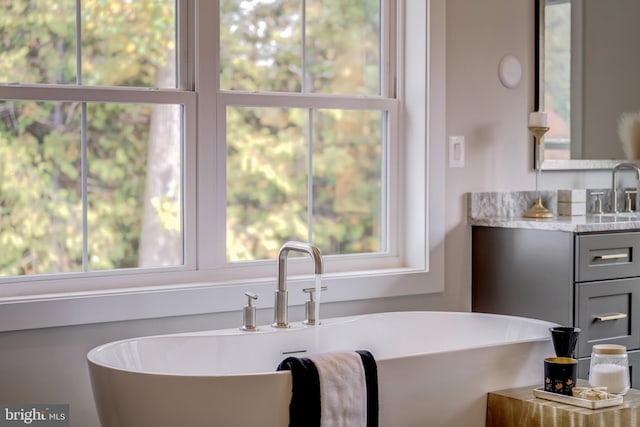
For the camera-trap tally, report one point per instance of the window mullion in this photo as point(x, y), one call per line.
point(79, 42)
point(385, 178)
point(303, 79)
point(310, 174)
point(295, 100)
point(388, 47)
point(83, 142)
point(83, 177)
point(95, 94)
point(186, 44)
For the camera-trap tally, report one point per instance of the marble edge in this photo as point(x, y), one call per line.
point(584, 224)
point(509, 222)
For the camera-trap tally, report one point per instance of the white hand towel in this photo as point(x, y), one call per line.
point(343, 389)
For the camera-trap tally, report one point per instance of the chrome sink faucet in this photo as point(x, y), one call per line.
point(281, 310)
point(614, 191)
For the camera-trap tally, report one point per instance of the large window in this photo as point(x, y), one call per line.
point(173, 146)
point(96, 99)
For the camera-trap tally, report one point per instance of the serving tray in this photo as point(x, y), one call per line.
point(576, 401)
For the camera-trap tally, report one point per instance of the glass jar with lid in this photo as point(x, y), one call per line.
point(610, 368)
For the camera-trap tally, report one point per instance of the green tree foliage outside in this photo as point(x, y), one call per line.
point(40, 142)
point(127, 43)
point(268, 148)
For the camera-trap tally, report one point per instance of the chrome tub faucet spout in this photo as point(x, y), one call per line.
point(281, 310)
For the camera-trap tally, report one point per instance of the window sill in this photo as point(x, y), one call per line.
point(34, 312)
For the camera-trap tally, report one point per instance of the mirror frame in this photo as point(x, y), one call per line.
point(538, 103)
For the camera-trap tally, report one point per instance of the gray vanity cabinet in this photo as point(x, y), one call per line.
point(589, 280)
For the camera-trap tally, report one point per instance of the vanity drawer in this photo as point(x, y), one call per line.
point(607, 256)
point(607, 313)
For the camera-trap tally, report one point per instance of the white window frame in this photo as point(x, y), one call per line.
point(205, 286)
point(214, 258)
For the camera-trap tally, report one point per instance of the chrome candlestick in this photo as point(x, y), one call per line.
point(538, 210)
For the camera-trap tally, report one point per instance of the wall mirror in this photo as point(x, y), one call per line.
point(587, 77)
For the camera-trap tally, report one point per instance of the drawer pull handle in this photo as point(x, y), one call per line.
point(612, 256)
point(613, 316)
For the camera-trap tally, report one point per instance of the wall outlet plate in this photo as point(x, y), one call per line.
point(456, 151)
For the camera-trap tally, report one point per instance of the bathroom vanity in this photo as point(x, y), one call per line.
point(575, 271)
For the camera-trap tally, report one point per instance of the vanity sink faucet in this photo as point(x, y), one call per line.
point(281, 310)
point(614, 191)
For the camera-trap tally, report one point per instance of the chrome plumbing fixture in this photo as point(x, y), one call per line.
point(597, 203)
point(310, 315)
point(281, 310)
point(614, 191)
point(249, 312)
point(628, 203)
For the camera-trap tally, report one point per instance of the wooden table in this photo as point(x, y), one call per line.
point(517, 407)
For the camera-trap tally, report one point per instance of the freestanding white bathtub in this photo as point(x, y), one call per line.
point(434, 369)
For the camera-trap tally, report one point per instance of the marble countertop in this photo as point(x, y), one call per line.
point(506, 210)
point(573, 224)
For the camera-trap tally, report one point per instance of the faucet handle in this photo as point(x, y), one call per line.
point(312, 291)
point(251, 296)
point(627, 199)
point(249, 313)
point(597, 204)
point(310, 315)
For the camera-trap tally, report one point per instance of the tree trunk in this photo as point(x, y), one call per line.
point(160, 244)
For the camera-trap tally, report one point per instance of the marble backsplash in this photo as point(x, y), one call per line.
point(507, 204)
point(513, 204)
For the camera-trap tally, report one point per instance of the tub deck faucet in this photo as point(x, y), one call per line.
point(614, 191)
point(281, 310)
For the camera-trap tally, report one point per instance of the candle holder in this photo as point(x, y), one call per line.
point(538, 210)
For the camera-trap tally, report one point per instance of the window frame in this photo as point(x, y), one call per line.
point(203, 285)
point(215, 258)
point(388, 258)
point(77, 281)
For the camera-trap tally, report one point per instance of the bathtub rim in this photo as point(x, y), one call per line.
point(299, 326)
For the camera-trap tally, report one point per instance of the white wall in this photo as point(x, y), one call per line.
point(48, 365)
point(493, 119)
